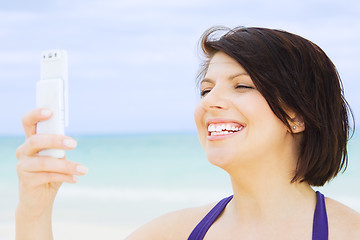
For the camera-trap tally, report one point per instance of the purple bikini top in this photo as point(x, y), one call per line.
point(320, 222)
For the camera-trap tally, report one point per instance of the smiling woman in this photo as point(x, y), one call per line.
point(236, 101)
point(272, 115)
point(301, 86)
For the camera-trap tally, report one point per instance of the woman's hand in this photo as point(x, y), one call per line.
point(40, 177)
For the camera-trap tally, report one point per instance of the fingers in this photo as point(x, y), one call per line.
point(40, 170)
point(34, 170)
point(30, 119)
point(31, 180)
point(38, 142)
point(53, 165)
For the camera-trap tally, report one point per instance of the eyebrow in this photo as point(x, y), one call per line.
point(231, 77)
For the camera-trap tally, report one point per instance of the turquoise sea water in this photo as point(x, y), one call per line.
point(134, 178)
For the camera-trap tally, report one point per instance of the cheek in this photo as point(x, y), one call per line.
point(266, 127)
point(261, 119)
point(256, 108)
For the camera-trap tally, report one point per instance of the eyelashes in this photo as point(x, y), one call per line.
point(204, 92)
point(237, 87)
point(243, 86)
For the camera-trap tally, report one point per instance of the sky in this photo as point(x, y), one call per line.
point(133, 63)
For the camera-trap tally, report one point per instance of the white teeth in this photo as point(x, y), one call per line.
point(219, 133)
point(211, 128)
point(223, 128)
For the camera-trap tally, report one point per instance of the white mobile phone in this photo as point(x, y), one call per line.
point(52, 93)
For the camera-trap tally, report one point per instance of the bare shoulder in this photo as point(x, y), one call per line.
point(175, 225)
point(344, 222)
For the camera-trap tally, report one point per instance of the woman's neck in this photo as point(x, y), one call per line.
point(263, 194)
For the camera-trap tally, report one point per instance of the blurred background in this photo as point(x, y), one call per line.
point(132, 91)
point(132, 64)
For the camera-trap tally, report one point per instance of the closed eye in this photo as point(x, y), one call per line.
point(244, 86)
point(240, 87)
point(204, 92)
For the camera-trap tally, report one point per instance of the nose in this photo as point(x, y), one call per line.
point(216, 100)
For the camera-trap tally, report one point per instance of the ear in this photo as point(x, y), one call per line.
point(296, 123)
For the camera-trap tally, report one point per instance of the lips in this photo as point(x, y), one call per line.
point(223, 128)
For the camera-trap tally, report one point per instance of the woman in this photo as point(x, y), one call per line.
point(271, 114)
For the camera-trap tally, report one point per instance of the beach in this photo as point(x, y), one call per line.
point(134, 178)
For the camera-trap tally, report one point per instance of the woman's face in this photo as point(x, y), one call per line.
point(235, 123)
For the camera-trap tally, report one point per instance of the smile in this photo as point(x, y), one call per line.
point(223, 129)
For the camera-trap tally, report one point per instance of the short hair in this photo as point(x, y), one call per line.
point(290, 71)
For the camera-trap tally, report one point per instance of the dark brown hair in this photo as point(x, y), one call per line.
point(292, 72)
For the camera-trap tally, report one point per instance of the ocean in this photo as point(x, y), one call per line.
point(135, 178)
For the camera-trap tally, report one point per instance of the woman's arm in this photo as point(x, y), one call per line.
point(33, 227)
point(40, 177)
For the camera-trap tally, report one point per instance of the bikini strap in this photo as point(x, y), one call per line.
point(320, 222)
point(200, 230)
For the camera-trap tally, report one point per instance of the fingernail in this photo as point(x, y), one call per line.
point(70, 143)
point(75, 179)
point(45, 112)
point(82, 169)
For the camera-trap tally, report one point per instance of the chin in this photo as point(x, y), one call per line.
point(221, 160)
point(231, 160)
